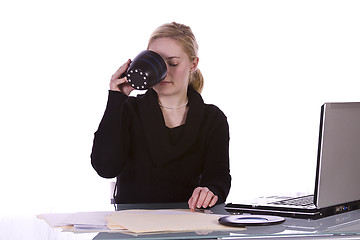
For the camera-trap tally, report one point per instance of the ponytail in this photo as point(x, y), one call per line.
point(196, 80)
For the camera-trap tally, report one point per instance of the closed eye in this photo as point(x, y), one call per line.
point(173, 61)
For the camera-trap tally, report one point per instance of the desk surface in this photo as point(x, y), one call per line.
point(341, 226)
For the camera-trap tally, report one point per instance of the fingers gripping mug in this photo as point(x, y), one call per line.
point(147, 69)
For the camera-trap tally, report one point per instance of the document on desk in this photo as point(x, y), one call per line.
point(176, 220)
point(136, 222)
point(78, 222)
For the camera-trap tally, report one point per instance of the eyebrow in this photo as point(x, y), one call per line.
point(169, 58)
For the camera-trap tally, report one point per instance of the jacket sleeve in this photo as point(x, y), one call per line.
point(111, 140)
point(216, 174)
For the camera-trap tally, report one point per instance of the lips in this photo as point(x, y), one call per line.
point(164, 82)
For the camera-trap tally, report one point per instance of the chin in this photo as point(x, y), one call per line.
point(163, 91)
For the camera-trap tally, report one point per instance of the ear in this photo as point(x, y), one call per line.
point(194, 64)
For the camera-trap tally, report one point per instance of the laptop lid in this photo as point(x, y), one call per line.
point(338, 164)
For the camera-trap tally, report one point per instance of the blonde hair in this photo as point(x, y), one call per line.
point(184, 35)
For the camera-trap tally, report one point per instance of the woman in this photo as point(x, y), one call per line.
point(165, 145)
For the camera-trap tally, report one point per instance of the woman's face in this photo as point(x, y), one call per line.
point(178, 65)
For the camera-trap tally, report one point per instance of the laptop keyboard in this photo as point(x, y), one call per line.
point(299, 201)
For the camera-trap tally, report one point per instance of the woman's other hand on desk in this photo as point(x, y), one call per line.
point(119, 84)
point(202, 197)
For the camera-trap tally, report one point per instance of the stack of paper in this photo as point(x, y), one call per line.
point(78, 222)
point(136, 222)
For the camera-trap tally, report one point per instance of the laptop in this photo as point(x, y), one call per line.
point(337, 182)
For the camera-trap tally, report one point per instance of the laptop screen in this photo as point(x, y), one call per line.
point(338, 167)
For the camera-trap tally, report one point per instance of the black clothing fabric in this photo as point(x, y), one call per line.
point(153, 163)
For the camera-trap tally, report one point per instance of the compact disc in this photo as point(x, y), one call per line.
point(250, 220)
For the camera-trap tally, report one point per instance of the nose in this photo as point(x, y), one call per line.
point(166, 75)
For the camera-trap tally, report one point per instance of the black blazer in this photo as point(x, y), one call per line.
point(133, 144)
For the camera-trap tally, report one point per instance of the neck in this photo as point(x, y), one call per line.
point(173, 102)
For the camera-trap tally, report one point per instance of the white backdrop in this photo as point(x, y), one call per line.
point(269, 65)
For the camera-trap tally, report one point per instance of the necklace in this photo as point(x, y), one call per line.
point(174, 107)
